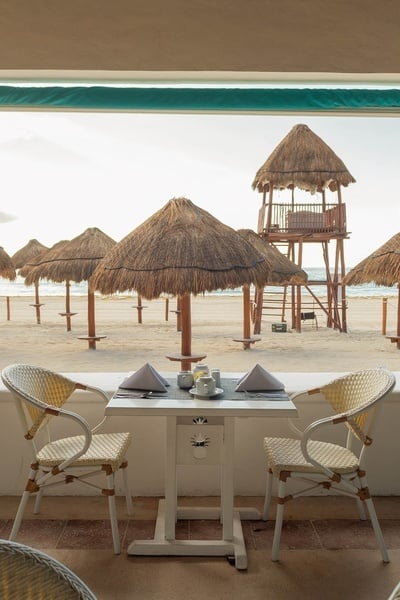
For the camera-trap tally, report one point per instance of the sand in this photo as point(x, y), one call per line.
point(216, 321)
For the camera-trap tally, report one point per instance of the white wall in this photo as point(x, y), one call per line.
point(146, 455)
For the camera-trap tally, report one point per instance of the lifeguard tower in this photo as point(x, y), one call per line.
point(303, 161)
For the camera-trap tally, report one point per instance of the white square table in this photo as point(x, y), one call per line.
point(199, 431)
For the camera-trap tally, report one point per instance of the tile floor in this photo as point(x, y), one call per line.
point(326, 551)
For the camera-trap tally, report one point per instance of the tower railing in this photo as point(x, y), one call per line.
point(293, 218)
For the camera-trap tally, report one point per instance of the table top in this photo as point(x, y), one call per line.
point(178, 402)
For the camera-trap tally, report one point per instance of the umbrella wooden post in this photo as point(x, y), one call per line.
point(185, 357)
point(246, 340)
point(384, 315)
point(92, 338)
point(8, 308)
point(186, 338)
point(139, 309)
point(68, 314)
point(91, 321)
point(166, 309)
point(178, 314)
point(259, 297)
point(37, 304)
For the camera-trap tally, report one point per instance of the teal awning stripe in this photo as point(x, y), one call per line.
point(197, 99)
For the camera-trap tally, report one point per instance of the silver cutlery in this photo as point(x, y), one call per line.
point(139, 395)
point(267, 395)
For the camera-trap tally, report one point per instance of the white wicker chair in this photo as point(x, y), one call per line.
point(40, 395)
point(29, 573)
point(355, 400)
point(395, 595)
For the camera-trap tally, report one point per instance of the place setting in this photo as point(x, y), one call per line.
point(146, 382)
point(259, 383)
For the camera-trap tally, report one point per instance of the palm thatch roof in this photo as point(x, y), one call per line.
point(73, 260)
point(28, 270)
point(30, 251)
point(181, 249)
point(282, 270)
point(381, 267)
point(302, 160)
point(7, 269)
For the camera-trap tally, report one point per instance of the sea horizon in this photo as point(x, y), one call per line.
point(49, 288)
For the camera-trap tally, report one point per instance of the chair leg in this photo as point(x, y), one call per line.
point(278, 519)
point(19, 515)
point(128, 497)
point(361, 510)
point(113, 512)
point(377, 530)
point(374, 519)
point(38, 501)
point(268, 495)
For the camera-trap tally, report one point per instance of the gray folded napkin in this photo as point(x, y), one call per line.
point(146, 378)
point(258, 380)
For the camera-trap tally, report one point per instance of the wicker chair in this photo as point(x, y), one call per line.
point(29, 573)
point(40, 395)
point(355, 400)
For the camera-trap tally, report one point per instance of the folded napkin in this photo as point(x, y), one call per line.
point(146, 378)
point(258, 380)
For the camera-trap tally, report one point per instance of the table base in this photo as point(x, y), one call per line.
point(159, 546)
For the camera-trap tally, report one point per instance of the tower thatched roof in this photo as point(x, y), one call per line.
point(302, 160)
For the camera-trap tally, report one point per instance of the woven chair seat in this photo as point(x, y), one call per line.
point(28, 573)
point(105, 449)
point(284, 454)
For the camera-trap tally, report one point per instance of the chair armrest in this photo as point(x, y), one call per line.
point(293, 427)
point(83, 424)
point(98, 392)
point(310, 430)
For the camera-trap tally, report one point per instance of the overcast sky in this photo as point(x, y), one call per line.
point(64, 172)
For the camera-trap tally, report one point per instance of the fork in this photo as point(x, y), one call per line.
point(136, 395)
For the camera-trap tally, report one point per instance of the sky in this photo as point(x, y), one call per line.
point(64, 172)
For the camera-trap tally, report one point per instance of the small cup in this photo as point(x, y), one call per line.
point(216, 374)
point(205, 385)
point(185, 379)
point(200, 370)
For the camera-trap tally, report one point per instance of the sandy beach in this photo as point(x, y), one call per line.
point(216, 321)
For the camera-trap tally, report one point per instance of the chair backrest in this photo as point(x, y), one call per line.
point(39, 393)
point(357, 396)
point(29, 573)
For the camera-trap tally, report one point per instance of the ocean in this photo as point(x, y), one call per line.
point(48, 288)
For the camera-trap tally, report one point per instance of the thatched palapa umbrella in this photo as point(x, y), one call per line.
point(382, 267)
point(180, 250)
point(32, 277)
point(7, 271)
point(282, 272)
point(75, 261)
point(29, 252)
